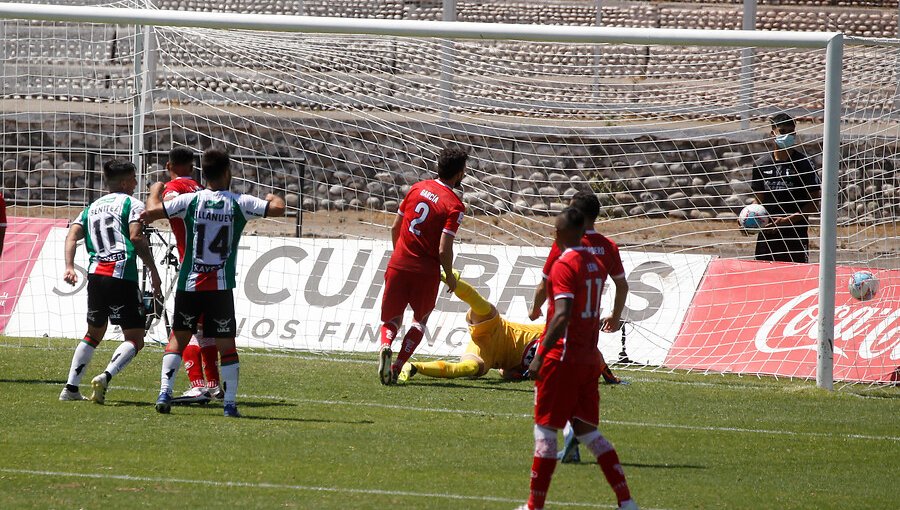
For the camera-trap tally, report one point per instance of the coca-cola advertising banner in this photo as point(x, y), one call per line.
point(761, 317)
point(325, 294)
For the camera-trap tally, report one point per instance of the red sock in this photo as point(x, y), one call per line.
point(411, 340)
point(541, 474)
point(210, 355)
point(612, 469)
point(193, 366)
point(388, 332)
point(230, 357)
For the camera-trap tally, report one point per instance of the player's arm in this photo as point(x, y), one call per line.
point(445, 254)
point(395, 230)
point(556, 328)
point(76, 233)
point(614, 321)
point(142, 249)
point(540, 292)
point(154, 209)
point(276, 207)
point(540, 296)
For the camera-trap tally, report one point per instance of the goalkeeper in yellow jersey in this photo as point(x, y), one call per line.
point(495, 343)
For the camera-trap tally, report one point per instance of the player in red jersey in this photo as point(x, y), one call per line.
point(422, 234)
point(201, 356)
point(608, 253)
point(566, 366)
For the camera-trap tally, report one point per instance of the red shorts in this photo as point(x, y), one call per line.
point(403, 288)
point(566, 391)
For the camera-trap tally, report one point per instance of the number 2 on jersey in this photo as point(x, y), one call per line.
point(218, 245)
point(592, 305)
point(422, 210)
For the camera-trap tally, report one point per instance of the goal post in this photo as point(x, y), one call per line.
point(369, 101)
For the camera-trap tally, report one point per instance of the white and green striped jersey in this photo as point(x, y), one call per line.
point(213, 223)
point(106, 235)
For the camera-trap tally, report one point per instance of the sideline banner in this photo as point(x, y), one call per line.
point(21, 247)
point(760, 317)
point(325, 294)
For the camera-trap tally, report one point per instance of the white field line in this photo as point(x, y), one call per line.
point(279, 486)
point(475, 412)
point(529, 415)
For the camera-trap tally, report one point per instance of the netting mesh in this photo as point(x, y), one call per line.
point(342, 126)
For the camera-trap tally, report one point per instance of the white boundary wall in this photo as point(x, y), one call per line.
point(325, 295)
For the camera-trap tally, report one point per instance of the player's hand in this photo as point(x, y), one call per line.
point(610, 324)
point(70, 277)
point(144, 218)
point(450, 280)
point(156, 283)
point(535, 367)
point(535, 313)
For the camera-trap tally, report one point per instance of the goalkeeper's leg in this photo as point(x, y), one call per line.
point(480, 306)
point(466, 367)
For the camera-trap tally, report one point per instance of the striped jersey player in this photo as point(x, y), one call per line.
point(213, 222)
point(113, 235)
point(214, 219)
point(105, 224)
point(201, 356)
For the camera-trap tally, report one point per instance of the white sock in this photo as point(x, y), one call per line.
point(121, 358)
point(171, 362)
point(80, 361)
point(568, 431)
point(229, 374)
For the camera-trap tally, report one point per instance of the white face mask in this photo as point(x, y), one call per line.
point(785, 141)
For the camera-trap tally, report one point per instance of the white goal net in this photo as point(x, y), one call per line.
point(342, 125)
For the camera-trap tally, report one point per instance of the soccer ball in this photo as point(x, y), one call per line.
point(863, 285)
point(753, 217)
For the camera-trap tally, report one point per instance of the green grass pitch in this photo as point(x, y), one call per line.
point(320, 432)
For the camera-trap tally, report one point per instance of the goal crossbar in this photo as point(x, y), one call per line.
point(413, 28)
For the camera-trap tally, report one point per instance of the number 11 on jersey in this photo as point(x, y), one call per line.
point(592, 304)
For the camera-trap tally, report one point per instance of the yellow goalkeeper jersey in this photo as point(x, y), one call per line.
point(500, 343)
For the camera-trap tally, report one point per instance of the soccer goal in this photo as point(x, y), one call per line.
point(341, 115)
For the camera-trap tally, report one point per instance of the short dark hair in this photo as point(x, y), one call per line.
point(588, 203)
point(451, 161)
point(572, 217)
point(181, 156)
point(115, 170)
point(214, 163)
point(783, 120)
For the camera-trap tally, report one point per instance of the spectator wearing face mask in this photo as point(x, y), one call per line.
point(788, 186)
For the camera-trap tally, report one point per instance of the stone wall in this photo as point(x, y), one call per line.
point(361, 167)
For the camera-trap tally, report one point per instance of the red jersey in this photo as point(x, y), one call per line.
point(175, 187)
point(598, 244)
point(430, 209)
point(577, 275)
point(2, 211)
